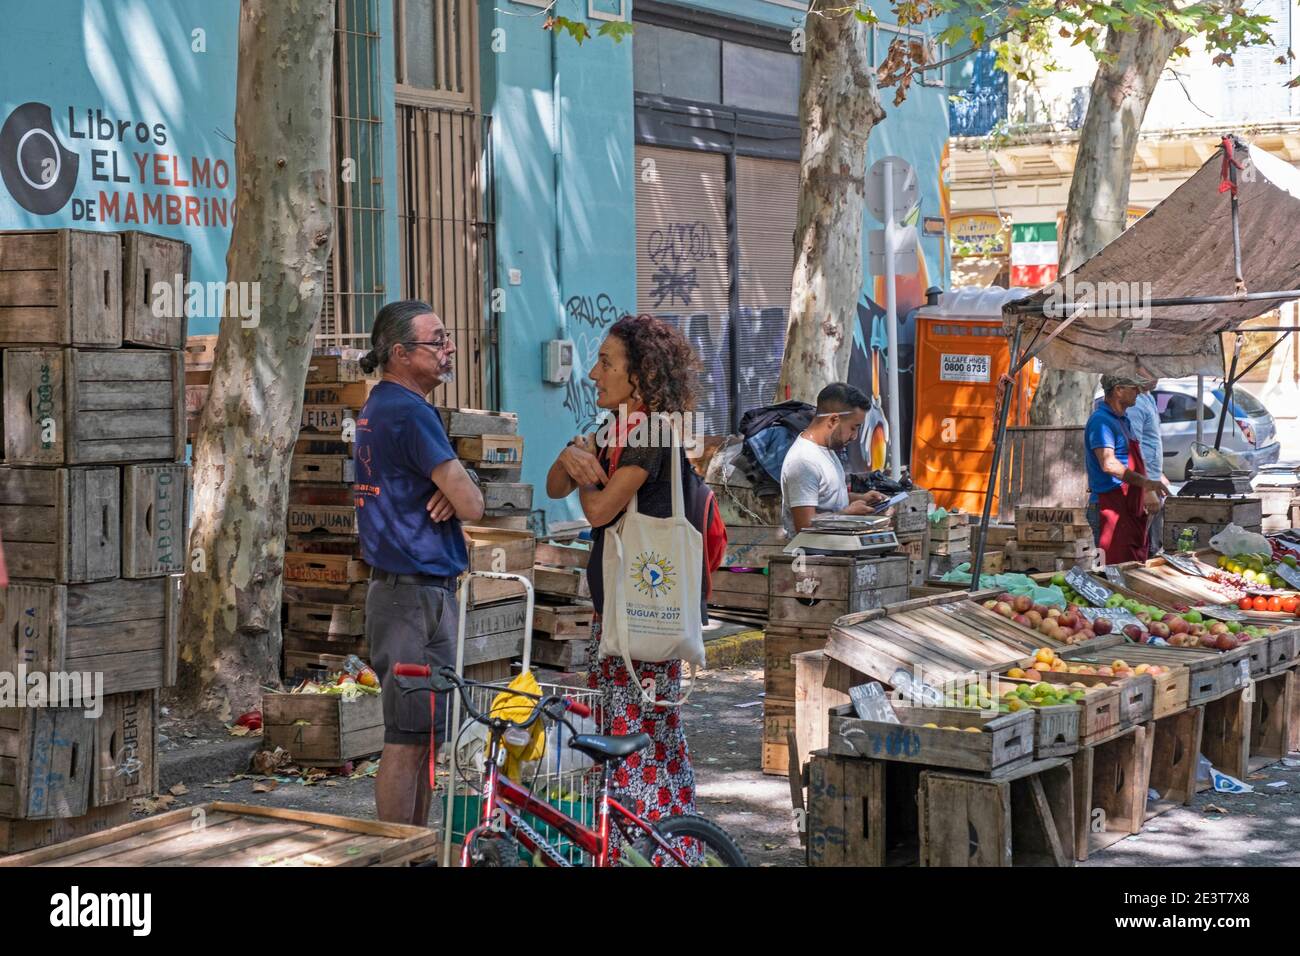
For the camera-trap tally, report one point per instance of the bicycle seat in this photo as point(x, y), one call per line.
point(601, 747)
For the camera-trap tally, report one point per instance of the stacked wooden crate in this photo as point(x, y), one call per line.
point(738, 590)
point(1203, 518)
point(564, 613)
point(807, 595)
point(92, 516)
point(910, 522)
point(490, 444)
point(950, 543)
point(1052, 539)
point(325, 578)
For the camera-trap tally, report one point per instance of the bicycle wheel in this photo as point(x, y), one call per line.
point(492, 848)
point(695, 837)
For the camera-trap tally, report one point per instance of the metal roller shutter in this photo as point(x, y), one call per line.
point(767, 206)
point(682, 272)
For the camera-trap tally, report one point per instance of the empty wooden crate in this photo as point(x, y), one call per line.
point(126, 748)
point(149, 261)
point(47, 759)
point(74, 406)
point(61, 287)
point(61, 524)
point(154, 522)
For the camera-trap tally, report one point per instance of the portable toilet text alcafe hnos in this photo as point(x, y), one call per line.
point(961, 352)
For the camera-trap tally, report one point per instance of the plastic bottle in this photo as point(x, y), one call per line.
point(1187, 540)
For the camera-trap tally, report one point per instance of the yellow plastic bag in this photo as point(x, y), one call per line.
point(516, 707)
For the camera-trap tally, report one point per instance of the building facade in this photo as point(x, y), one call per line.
point(529, 187)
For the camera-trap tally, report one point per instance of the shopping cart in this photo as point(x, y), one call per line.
point(562, 777)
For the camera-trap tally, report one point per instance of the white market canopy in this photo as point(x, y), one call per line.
point(1183, 248)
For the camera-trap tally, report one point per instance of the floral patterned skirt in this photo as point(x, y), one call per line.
point(659, 781)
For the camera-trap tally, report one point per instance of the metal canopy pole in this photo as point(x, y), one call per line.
point(1227, 391)
point(1200, 410)
point(977, 559)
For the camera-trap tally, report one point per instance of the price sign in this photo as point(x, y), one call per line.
point(1117, 616)
point(870, 703)
point(1183, 563)
point(1220, 612)
point(1288, 574)
point(1115, 576)
point(1092, 590)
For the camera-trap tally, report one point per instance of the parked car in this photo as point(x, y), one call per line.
point(1249, 430)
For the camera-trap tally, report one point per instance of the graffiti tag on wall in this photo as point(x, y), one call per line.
point(589, 318)
point(673, 250)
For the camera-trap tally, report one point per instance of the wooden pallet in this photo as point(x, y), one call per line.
point(233, 834)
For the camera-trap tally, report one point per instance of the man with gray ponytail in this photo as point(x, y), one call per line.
point(411, 495)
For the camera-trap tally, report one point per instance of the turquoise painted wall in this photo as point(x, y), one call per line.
point(562, 142)
point(136, 60)
point(128, 61)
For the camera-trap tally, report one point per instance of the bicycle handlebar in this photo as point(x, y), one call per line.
point(543, 702)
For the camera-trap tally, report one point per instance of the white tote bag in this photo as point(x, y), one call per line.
point(652, 570)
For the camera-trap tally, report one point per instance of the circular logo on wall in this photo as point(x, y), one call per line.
point(37, 170)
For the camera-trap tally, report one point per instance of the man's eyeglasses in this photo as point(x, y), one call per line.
point(439, 343)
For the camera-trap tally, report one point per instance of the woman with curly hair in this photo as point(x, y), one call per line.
point(644, 368)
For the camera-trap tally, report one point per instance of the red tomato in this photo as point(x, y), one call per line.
point(1260, 603)
point(1289, 604)
point(1246, 604)
point(1275, 603)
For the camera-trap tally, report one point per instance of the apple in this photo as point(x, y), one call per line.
point(1054, 613)
point(1004, 609)
point(1158, 629)
point(990, 604)
point(1040, 610)
point(1101, 626)
point(1033, 617)
point(1177, 625)
point(1006, 597)
point(1218, 627)
point(1022, 603)
point(1132, 631)
point(1020, 619)
point(1143, 616)
point(1226, 642)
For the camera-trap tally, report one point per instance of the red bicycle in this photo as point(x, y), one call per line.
point(504, 838)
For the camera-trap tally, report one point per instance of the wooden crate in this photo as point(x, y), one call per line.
point(154, 524)
point(1210, 674)
point(326, 419)
point(330, 620)
point(1173, 744)
point(125, 630)
point(1021, 559)
point(47, 757)
point(1246, 512)
point(61, 524)
point(354, 593)
point(1024, 819)
point(564, 622)
point(780, 645)
point(556, 555)
point(916, 548)
point(503, 498)
point(329, 369)
point(146, 261)
point(312, 444)
point(473, 422)
point(566, 583)
point(305, 664)
point(861, 812)
point(61, 287)
point(1099, 711)
point(998, 535)
point(19, 836)
point(495, 632)
point(75, 407)
point(322, 468)
point(126, 748)
point(350, 395)
point(323, 730)
point(1040, 467)
point(1075, 518)
point(498, 549)
point(909, 522)
point(821, 589)
point(331, 519)
point(1283, 649)
point(818, 686)
point(334, 571)
point(1004, 742)
point(1226, 733)
point(753, 546)
point(1272, 711)
point(238, 835)
point(566, 656)
point(504, 450)
point(778, 724)
point(747, 590)
point(505, 523)
point(1063, 540)
point(1110, 791)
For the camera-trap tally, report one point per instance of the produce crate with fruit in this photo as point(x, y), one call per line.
point(326, 724)
point(967, 739)
point(1210, 674)
point(1135, 684)
point(1098, 703)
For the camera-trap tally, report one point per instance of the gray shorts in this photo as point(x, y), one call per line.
point(411, 624)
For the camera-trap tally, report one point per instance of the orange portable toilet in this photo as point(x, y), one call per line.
point(961, 352)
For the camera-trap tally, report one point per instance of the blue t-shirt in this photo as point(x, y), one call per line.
point(400, 439)
point(1105, 429)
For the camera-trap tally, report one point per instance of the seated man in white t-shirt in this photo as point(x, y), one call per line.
point(812, 478)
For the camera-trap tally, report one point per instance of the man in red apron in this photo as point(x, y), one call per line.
point(1118, 486)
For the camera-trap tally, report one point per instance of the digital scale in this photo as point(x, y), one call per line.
point(840, 535)
point(1216, 472)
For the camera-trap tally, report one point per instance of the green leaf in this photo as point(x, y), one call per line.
point(617, 29)
point(865, 15)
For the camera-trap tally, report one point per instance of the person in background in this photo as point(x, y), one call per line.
point(643, 368)
point(812, 477)
point(411, 495)
point(1144, 420)
point(1120, 494)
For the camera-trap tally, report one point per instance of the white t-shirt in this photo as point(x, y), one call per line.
point(812, 475)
